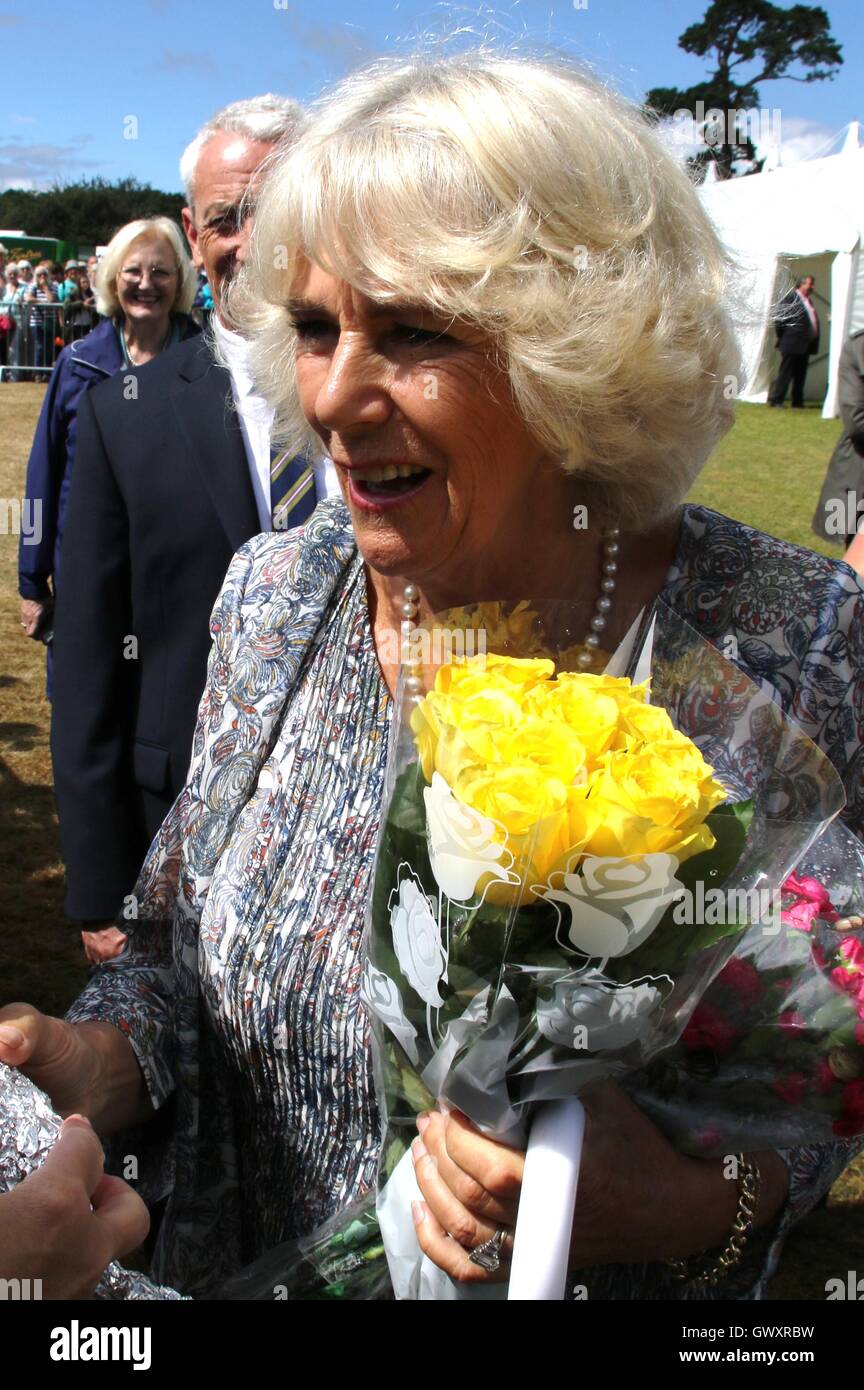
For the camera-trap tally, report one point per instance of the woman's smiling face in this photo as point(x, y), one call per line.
point(434, 460)
point(147, 280)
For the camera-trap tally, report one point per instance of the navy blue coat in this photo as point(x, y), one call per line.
point(79, 366)
point(161, 499)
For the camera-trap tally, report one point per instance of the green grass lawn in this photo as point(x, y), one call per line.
point(769, 470)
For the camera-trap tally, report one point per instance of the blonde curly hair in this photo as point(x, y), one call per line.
point(525, 197)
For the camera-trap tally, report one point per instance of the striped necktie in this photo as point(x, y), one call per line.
point(292, 490)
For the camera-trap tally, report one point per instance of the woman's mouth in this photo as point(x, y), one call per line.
point(378, 489)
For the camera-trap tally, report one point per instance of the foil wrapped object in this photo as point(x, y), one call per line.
point(28, 1128)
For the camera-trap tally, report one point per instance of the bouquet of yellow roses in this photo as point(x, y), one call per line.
point(532, 926)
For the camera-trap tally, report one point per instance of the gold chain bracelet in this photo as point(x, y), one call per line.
point(749, 1182)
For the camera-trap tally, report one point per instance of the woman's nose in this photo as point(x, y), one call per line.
point(355, 391)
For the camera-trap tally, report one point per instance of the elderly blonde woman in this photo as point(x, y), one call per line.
point(484, 290)
point(145, 289)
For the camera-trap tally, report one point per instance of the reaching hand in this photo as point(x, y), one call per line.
point(64, 1223)
point(54, 1054)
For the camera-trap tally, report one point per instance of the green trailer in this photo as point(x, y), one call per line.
point(20, 247)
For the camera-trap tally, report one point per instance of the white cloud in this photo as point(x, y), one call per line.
point(337, 41)
point(799, 138)
point(24, 165)
point(804, 139)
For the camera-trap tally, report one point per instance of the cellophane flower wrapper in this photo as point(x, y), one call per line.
point(773, 1054)
point(505, 969)
point(342, 1260)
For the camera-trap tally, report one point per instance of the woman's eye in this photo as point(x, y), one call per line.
point(417, 336)
point(411, 334)
point(307, 329)
point(403, 334)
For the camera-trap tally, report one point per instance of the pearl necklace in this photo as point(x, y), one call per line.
point(611, 551)
point(590, 645)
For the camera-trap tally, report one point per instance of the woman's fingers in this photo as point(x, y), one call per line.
point(449, 1255)
point(435, 1131)
point(495, 1167)
point(466, 1228)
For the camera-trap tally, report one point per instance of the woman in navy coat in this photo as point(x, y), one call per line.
point(145, 288)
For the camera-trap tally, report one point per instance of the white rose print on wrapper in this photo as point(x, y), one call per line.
point(592, 1012)
point(417, 940)
point(613, 905)
point(464, 846)
point(382, 998)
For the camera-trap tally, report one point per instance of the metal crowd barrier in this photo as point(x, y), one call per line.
point(38, 333)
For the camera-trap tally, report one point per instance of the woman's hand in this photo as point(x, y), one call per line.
point(86, 1068)
point(638, 1200)
point(64, 1223)
point(471, 1188)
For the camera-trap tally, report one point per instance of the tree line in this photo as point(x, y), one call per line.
point(88, 212)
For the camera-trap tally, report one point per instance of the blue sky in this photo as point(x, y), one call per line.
point(73, 74)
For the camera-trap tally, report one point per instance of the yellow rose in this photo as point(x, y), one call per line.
point(644, 724)
point(655, 800)
point(473, 699)
point(533, 810)
point(455, 681)
point(585, 815)
point(475, 730)
point(427, 720)
point(548, 744)
point(491, 671)
point(619, 688)
point(592, 716)
point(503, 625)
point(473, 709)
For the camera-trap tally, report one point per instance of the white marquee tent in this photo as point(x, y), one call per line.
point(795, 220)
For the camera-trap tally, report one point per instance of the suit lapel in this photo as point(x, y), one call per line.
point(202, 401)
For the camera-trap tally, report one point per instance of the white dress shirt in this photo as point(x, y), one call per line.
point(256, 419)
point(811, 311)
